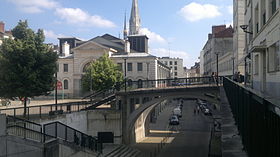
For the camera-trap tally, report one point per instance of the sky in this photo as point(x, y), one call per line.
point(176, 28)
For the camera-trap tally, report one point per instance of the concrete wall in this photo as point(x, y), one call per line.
point(105, 121)
point(12, 146)
point(91, 122)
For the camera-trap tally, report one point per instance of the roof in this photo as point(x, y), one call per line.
point(132, 55)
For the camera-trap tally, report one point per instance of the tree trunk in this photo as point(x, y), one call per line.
point(25, 106)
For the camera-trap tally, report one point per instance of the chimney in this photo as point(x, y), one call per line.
point(209, 36)
point(126, 46)
point(66, 49)
point(2, 26)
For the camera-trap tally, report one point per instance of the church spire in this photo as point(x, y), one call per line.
point(134, 21)
point(125, 32)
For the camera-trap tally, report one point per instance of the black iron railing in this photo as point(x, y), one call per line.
point(71, 135)
point(49, 109)
point(258, 120)
point(36, 132)
point(172, 83)
point(24, 128)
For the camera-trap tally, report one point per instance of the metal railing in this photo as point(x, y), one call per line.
point(50, 109)
point(257, 119)
point(24, 128)
point(54, 130)
point(172, 83)
point(71, 135)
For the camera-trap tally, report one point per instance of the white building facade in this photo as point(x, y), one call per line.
point(238, 36)
point(218, 49)
point(176, 66)
point(262, 46)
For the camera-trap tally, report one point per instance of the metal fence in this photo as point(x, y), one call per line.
point(24, 128)
point(71, 135)
point(257, 119)
point(171, 83)
point(50, 109)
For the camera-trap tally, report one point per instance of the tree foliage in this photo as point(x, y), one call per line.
point(27, 64)
point(101, 74)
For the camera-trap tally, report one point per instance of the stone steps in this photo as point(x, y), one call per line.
point(124, 151)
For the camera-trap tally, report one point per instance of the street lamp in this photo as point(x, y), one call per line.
point(232, 65)
point(125, 74)
point(217, 62)
point(244, 27)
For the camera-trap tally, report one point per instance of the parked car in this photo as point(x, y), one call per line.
point(177, 111)
point(207, 112)
point(174, 120)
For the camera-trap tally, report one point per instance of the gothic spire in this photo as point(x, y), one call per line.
point(134, 21)
point(124, 28)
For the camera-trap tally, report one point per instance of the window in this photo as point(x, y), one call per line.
point(139, 66)
point(256, 19)
point(120, 67)
point(274, 57)
point(175, 73)
point(85, 67)
point(65, 84)
point(256, 64)
point(272, 6)
point(65, 67)
point(170, 62)
point(175, 68)
point(129, 66)
point(165, 62)
point(129, 83)
point(175, 62)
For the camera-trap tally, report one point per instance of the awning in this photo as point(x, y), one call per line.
point(259, 48)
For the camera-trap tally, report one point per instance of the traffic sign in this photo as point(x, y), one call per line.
point(59, 85)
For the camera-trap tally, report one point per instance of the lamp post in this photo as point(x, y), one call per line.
point(244, 28)
point(125, 74)
point(232, 65)
point(217, 62)
point(55, 91)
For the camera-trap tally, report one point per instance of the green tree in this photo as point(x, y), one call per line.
point(27, 65)
point(101, 74)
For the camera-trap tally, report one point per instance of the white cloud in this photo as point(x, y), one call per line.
point(195, 12)
point(162, 52)
point(51, 35)
point(80, 17)
point(34, 6)
point(153, 37)
point(230, 9)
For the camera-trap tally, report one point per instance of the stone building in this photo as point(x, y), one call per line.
point(3, 33)
point(238, 36)
point(130, 53)
point(176, 66)
point(262, 24)
point(218, 48)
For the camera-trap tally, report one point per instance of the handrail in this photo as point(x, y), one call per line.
point(69, 134)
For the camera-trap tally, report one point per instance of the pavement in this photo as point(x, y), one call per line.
point(190, 138)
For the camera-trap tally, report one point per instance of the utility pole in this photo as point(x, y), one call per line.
point(125, 74)
point(56, 91)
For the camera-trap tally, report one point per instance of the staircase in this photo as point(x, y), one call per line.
point(123, 151)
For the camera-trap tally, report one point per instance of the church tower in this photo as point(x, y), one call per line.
point(134, 21)
point(125, 31)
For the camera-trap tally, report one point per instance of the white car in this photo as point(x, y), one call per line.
point(177, 111)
